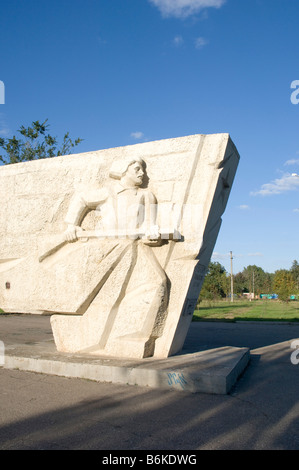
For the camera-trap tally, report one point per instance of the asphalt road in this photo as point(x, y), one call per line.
point(43, 412)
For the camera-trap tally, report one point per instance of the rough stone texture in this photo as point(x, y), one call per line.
point(114, 296)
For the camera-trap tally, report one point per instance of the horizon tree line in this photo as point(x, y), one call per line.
point(252, 279)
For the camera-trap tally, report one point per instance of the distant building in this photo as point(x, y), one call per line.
point(249, 295)
point(269, 296)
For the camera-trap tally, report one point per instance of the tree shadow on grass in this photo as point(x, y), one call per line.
point(245, 319)
point(222, 307)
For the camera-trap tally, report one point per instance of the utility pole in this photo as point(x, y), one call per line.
point(231, 278)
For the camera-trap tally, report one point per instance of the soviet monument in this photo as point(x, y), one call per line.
point(115, 244)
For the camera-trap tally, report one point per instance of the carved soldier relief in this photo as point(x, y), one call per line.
point(114, 244)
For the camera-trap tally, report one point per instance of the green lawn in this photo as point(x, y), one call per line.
point(270, 310)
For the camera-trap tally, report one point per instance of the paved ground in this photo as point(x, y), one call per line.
point(261, 412)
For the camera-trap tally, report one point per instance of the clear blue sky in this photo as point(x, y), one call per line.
point(119, 72)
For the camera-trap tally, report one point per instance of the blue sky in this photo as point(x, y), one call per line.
point(119, 72)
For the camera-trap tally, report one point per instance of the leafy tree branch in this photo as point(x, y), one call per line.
point(35, 143)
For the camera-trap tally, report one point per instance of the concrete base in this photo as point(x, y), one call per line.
point(212, 371)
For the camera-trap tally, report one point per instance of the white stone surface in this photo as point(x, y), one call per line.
point(114, 295)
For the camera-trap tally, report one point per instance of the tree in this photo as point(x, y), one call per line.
point(35, 143)
point(215, 284)
point(257, 280)
point(295, 273)
point(284, 284)
point(240, 283)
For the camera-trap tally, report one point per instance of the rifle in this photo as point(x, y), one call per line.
point(84, 236)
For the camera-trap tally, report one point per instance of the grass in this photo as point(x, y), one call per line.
point(261, 310)
point(244, 310)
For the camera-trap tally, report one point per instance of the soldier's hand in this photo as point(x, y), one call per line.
point(70, 234)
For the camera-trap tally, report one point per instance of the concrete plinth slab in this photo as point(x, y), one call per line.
point(211, 371)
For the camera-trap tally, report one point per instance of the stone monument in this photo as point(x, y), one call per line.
point(115, 244)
